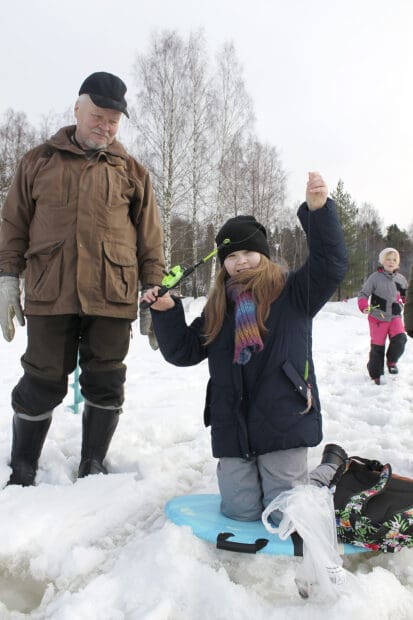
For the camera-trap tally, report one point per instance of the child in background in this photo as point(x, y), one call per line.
point(386, 290)
point(262, 400)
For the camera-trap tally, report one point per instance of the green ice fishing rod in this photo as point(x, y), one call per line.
point(177, 274)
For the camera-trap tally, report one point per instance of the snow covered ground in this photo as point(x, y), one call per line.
point(101, 548)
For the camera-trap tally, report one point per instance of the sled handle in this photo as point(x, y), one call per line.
point(224, 543)
point(298, 544)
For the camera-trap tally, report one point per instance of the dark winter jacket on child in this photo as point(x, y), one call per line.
point(387, 292)
point(258, 408)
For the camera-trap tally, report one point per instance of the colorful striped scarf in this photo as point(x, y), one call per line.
point(247, 335)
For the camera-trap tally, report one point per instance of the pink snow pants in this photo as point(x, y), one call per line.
point(379, 330)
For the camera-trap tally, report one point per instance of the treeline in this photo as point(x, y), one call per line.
point(364, 238)
point(192, 125)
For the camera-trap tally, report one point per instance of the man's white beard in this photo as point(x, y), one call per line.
point(96, 147)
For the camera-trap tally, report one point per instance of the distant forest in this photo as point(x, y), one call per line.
point(192, 126)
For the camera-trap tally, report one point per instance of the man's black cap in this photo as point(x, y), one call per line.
point(106, 91)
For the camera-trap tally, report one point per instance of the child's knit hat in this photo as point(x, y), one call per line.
point(386, 251)
point(245, 233)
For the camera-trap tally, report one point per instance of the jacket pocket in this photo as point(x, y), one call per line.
point(44, 272)
point(121, 273)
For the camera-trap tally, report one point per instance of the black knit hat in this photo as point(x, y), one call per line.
point(244, 233)
point(106, 91)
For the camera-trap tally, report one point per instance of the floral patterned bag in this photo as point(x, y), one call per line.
point(373, 506)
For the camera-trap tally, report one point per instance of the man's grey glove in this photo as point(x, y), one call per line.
point(146, 327)
point(10, 306)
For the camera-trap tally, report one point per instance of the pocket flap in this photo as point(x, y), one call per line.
point(120, 254)
point(295, 378)
point(45, 248)
point(207, 408)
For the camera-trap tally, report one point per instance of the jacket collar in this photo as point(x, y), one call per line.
point(387, 273)
point(62, 141)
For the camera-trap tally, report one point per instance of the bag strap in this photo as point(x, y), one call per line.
point(373, 465)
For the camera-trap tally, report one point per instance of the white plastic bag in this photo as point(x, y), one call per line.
point(309, 510)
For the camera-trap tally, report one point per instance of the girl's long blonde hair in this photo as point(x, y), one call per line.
point(265, 282)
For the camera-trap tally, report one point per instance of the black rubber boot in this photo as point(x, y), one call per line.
point(98, 426)
point(376, 362)
point(392, 368)
point(334, 455)
point(395, 351)
point(28, 440)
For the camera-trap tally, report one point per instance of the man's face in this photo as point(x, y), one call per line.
point(96, 127)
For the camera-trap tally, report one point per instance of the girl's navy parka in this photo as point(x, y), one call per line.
point(257, 408)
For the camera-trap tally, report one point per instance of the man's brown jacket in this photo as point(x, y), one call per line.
point(83, 230)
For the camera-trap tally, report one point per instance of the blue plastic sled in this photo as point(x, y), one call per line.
point(201, 513)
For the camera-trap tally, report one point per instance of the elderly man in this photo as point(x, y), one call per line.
point(81, 222)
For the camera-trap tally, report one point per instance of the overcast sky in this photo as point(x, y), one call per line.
point(331, 80)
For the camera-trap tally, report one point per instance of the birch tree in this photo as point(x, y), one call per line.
point(265, 182)
point(232, 116)
point(199, 130)
point(17, 136)
point(53, 121)
point(160, 118)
